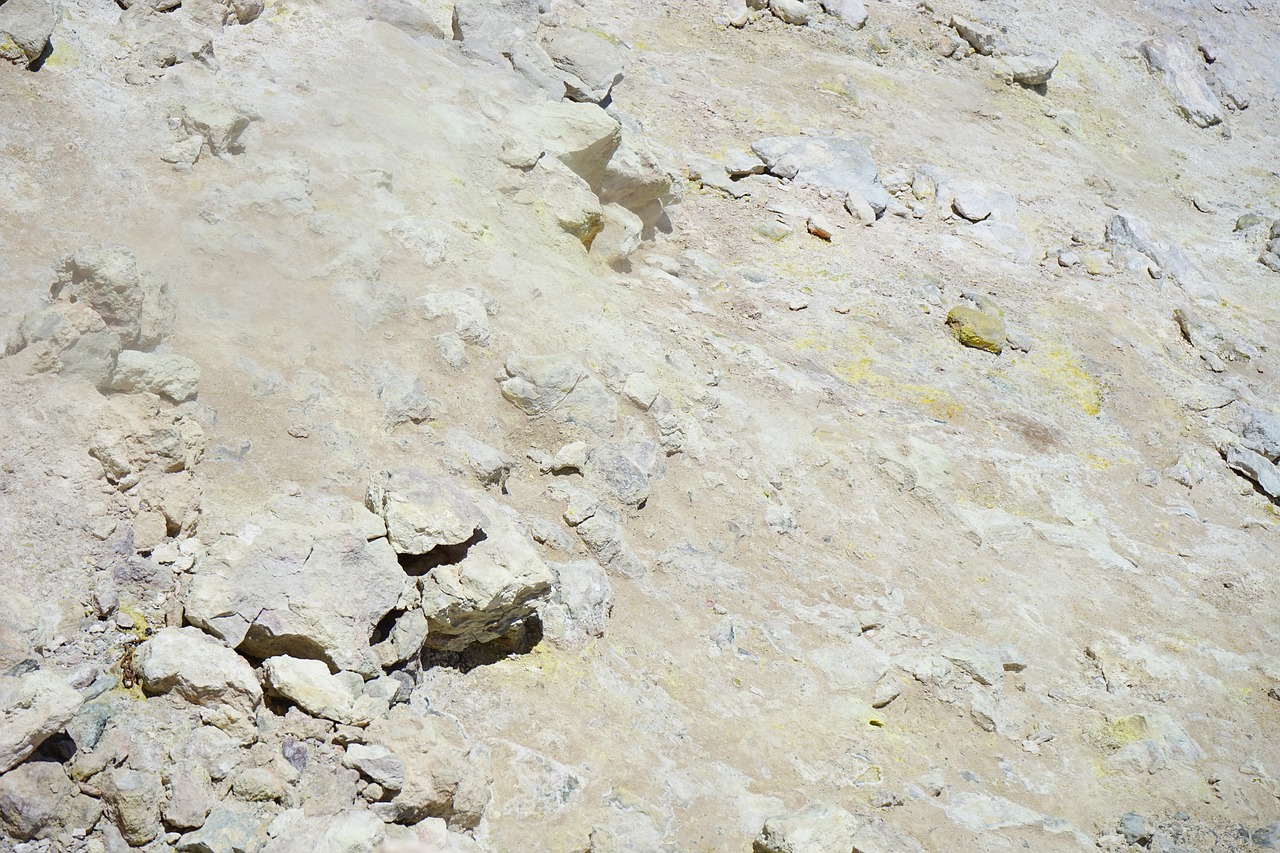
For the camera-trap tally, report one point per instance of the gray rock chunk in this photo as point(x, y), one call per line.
point(490, 466)
point(1028, 69)
point(230, 828)
point(979, 36)
point(132, 800)
point(635, 179)
point(34, 797)
point(1256, 467)
point(200, 669)
point(591, 65)
point(818, 828)
point(790, 11)
point(610, 469)
point(311, 590)
point(971, 203)
point(408, 16)
point(487, 576)
point(33, 708)
point(581, 136)
point(1223, 76)
point(349, 831)
point(310, 686)
point(489, 27)
point(25, 29)
point(1182, 74)
point(106, 278)
point(1125, 229)
point(422, 513)
point(376, 763)
point(580, 604)
point(173, 377)
point(556, 384)
point(495, 587)
point(218, 124)
point(841, 165)
point(444, 774)
point(852, 12)
point(1261, 432)
point(603, 538)
point(191, 797)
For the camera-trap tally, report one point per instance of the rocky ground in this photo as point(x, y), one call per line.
point(496, 425)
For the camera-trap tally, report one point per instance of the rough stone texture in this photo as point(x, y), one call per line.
point(422, 513)
point(486, 576)
point(307, 590)
point(852, 12)
point(34, 798)
point(132, 799)
point(592, 66)
point(580, 604)
point(1128, 230)
point(137, 307)
point(200, 669)
point(979, 36)
point(445, 776)
point(556, 384)
point(377, 763)
point(33, 707)
point(488, 27)
point(840, 165)
point(790, 11)
point(818, 828)
point(190, 797)
point(309, 685)
point(1256, 467)
point(1029, 69)
point(217, 124)
point(173, 377)
point(1183, 76)
point(581, 136)
point(25, 28)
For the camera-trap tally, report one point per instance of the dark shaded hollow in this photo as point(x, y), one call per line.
point(520, 640)
point(417, 565)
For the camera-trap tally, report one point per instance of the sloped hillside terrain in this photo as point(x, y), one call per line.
point(509, 425)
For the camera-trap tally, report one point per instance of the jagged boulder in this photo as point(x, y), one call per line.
point(445, 775)
point(482, 576)
point(1183, 75)
point(489, 27)
point(137, 307)
point(200, 669)
point(33, 708)
point(300, 587)
point(25, 29)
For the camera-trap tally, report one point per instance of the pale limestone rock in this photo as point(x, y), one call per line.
point(591, 66)
point(173, 377)
point(32, 708)
point(132, 800)
point(310, 686)
point(218, 124)
point(137, 307)
point(377, 763)
point(1183, 75)
point(818, 828)
point(619, 235)
point(25, 28)
point(304, 587)
point(444, 774)
point(581, 136)
point(34, 800)
point(200, 669)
